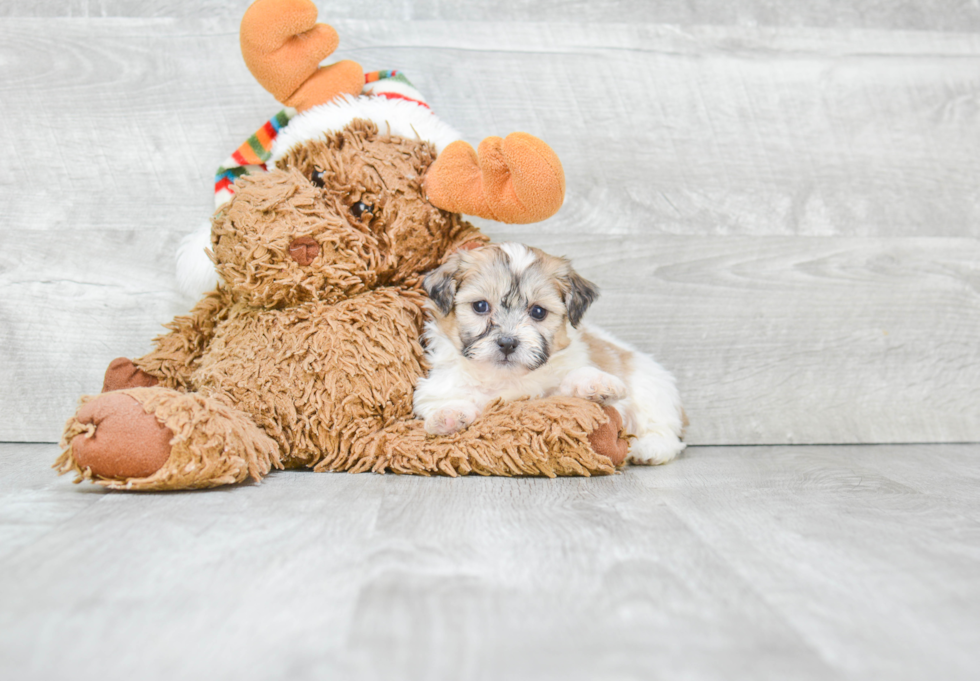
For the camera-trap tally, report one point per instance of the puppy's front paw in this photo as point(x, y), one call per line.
point(592, 384)
point(451, 418)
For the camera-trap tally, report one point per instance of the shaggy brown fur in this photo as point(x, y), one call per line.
point(314, 365)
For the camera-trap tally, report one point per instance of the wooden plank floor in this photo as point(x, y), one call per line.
point(754, 563)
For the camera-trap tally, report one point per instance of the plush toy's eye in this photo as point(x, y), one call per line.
point(481, 307)
point(360, 208)
point(317, 178)
point(538, 313)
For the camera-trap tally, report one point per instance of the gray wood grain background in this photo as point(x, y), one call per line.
point(779, 201)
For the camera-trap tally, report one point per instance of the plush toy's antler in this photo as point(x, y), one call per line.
point(283, 46)
point(517, 180)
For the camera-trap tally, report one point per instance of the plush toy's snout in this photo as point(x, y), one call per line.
point(304, 250)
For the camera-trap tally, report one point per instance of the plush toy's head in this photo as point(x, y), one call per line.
point(339, 215)
point(377, 180)
point(365, 184)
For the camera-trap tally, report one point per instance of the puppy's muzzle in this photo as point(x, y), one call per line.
point(507, 345)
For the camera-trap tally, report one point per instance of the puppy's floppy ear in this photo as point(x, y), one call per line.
point(580, 293)
point(440, 284)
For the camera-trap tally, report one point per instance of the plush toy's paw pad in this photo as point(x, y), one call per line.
point(593, 385)
point(606, 440)
point(656, 448)
point(126, 441)
point(122, 374)
point(451, 418)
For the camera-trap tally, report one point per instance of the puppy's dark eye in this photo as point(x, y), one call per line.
point(538, 313)
point(481, 307)
point(360, 208)
point(317, 178)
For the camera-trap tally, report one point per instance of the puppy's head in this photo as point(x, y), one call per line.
point(507, 305)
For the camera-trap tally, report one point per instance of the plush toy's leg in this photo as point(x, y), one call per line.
point(550, 437)
point(157, 439)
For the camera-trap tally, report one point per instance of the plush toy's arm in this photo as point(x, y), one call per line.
point(556, 436)
point(177, 353)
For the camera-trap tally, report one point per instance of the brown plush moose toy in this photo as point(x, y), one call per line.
point(306, 352)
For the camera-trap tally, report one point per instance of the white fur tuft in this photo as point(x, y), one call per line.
point(400, 117)
point(195, 271)
point(520, 256)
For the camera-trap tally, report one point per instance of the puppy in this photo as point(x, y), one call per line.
point(506, 322)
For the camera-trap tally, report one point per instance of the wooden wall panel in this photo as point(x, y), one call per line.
point(788, 217)
point(772, 339)
point(934, 15)
point(712, 132)
point(800, 340)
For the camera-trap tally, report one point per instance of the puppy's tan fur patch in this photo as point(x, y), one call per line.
point(611, 358)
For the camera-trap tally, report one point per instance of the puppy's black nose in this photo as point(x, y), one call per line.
point(507, 344)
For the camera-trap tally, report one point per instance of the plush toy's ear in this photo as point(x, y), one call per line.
point(516, 180)
point(440, 285)
point(283, 46)
point(580, 293)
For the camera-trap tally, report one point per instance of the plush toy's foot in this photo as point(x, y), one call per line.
point(121, 440)
point(158, 438)
point(607, 439)
point(122, 374)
